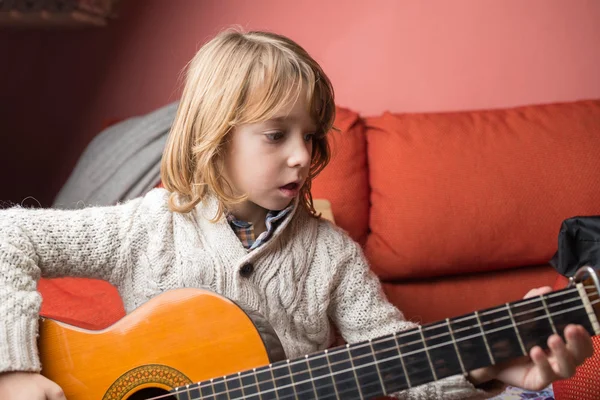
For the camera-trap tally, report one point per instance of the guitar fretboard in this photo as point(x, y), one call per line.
point(410, 358)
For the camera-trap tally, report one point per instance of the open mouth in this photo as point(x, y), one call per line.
point(290, 190)
point(290, 186)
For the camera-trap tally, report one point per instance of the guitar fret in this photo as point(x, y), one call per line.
point(470, 342)
point(366, 371)
point(207, 390)
point(302, 379)
point(571, 301)
point(377, 367)
point(389, 364)
point(533, 322)
point(323, 380)
point(354, 372)
point(337, 395)
point(402, 361)
point(512, 320)
point(194, 391)
point(442, 351)
point(274, 383)
point(284, 387)
point(548, 314)
point(250, 384)
point(257, 383)
point(462, 366)
point(487, 345)
point(416, 359)
point(501, 333)
point(427, 353)
point(588, 308)
point(220, 389)
point(234, 388)
point(226, 388)
point(243, 391)
point(344, 377)
point(312, 378)
point(187, 391)
point(266, 384)
point(183, 395)
point(292, 379)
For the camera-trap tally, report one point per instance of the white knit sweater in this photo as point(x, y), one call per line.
point(306, 276)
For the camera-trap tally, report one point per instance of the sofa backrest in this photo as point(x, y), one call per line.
point(450, 193)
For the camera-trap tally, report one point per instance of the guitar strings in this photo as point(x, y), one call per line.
point(313, 381)
point(421, 350)
point(297, 393)
point(400, 334)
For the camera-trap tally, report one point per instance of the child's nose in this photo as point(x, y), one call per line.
point(300, 155)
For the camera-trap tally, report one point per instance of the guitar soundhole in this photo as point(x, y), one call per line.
point(149, 393)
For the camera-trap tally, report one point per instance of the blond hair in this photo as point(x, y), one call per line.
point(239, 78)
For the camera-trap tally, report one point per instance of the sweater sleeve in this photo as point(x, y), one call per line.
point(361, 311)
point(52, 243)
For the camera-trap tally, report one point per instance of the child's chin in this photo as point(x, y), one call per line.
point(276, 205)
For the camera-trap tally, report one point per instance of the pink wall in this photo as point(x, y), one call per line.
point(59, 87)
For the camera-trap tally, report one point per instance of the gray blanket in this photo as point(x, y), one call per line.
point(120, 163)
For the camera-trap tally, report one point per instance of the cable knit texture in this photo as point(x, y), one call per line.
point(306, 276)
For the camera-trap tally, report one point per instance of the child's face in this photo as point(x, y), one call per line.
point(269, 161)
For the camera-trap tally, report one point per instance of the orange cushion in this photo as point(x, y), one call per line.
point(481, 190)
point(86, 303)
point(344, 182)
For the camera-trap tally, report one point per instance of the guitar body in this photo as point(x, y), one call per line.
point(180, 337)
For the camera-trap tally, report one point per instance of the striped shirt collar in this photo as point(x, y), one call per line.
point(245, 230)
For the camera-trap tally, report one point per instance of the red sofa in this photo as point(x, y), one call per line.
point(456, 211)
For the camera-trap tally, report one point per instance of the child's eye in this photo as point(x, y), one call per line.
point(309, 136)
point(275, 136)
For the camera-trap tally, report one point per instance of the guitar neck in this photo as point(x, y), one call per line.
point(410, 358)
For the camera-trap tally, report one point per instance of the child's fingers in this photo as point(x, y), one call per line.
point(579, 343)
point(564, 365)
point(540, 360)
point(51, 389)
point(538, 291)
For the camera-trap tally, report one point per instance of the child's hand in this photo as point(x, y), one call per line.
point(28, 385)
point(540, 369)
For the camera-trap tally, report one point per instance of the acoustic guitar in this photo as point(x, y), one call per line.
point(193, 344)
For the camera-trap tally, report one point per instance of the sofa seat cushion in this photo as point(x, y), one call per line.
point(483, 190)
point(431, 300)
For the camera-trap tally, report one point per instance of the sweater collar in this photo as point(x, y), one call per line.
point(219, 233)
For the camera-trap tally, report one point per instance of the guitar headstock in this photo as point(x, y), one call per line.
point(588, 277)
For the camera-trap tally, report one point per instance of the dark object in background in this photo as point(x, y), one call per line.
point(56, 13)
point(578, 245)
